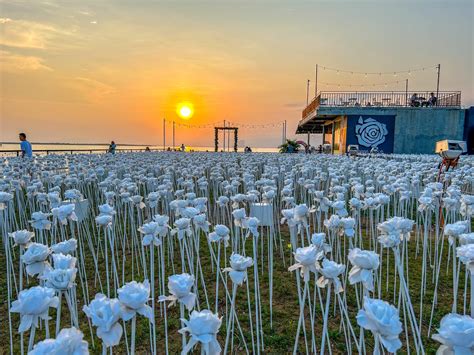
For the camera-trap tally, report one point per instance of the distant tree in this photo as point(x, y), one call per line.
point(290, 146)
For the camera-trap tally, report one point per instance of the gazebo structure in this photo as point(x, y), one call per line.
point(216, 136)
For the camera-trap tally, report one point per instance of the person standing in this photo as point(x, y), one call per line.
point(25, 146)
point(112, 147)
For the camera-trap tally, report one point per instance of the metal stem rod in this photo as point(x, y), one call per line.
point(164, 134)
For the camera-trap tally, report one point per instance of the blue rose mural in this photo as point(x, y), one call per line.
point(369, 131)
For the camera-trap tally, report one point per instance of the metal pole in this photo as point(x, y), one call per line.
point(307, 92)
point(406, 92)
point(164, 134)
point(437, 84)
point(316, 82)
point(174, 145)
point(224, 135)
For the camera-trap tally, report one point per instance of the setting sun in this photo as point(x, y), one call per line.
point(185, 110)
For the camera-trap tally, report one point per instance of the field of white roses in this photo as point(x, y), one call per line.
point(169, 253)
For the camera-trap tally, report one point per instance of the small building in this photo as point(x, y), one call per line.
point(388, 121)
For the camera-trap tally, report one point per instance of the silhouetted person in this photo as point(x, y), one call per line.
point(433, 100)
point(414, 100)
point(25, 146)
point(112, 147)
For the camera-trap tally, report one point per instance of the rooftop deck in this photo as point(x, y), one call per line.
point(332, 102)
point(378, 99)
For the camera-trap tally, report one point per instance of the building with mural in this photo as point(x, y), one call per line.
point(391, 122)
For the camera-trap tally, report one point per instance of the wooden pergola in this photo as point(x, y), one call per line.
point(216, 136)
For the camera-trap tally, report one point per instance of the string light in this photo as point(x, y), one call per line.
point(362, 85)
point(409, 71)
point(220, 123)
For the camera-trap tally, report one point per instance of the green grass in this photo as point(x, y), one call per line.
point(280, 337)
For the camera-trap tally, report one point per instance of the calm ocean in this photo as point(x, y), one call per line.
point(87, 147)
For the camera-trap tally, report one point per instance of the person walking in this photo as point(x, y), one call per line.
point(25, 146)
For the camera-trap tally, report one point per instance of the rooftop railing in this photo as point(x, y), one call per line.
point(381, 99)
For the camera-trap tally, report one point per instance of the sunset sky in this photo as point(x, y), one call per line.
point(92, 71)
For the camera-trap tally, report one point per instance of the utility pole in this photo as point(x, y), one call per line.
point(164, 134)
point(224, 135)
point(283, 133)
point(406, 92)
point(174, 145)
point(307, 92)
point(228, 140)
point(316, 82)
point(437, 84)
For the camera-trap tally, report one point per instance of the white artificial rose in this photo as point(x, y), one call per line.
point(153, 198)
point(364, 263)
point(22, 237)
point(35, 258)
point(182, 228)
point(106, 209)
point(59, 279)
point(137, 200)
point(251, 223)
point(383, 320)
point(288, 217)
point(5, 199)
point(330, 271)
point(456, 333)
point(65, 212)
point(190, 212)
point(34, 303)
point(134, 297)
point(465, 253)
point(201, 223)
point(45, 347)
point(202, 328)
point(150, 233)
point(239, 216)
point(319, 241)
point(301, 212)
point(222, 201)
point(306, 259)
point(454, 230)
point(71, 341)
point(466, 238)
point(39, 220)
point(66, 247)
point(238, 269)
point(105, 314)
point(179, 286)
point(104, 220)
point(348, 225)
